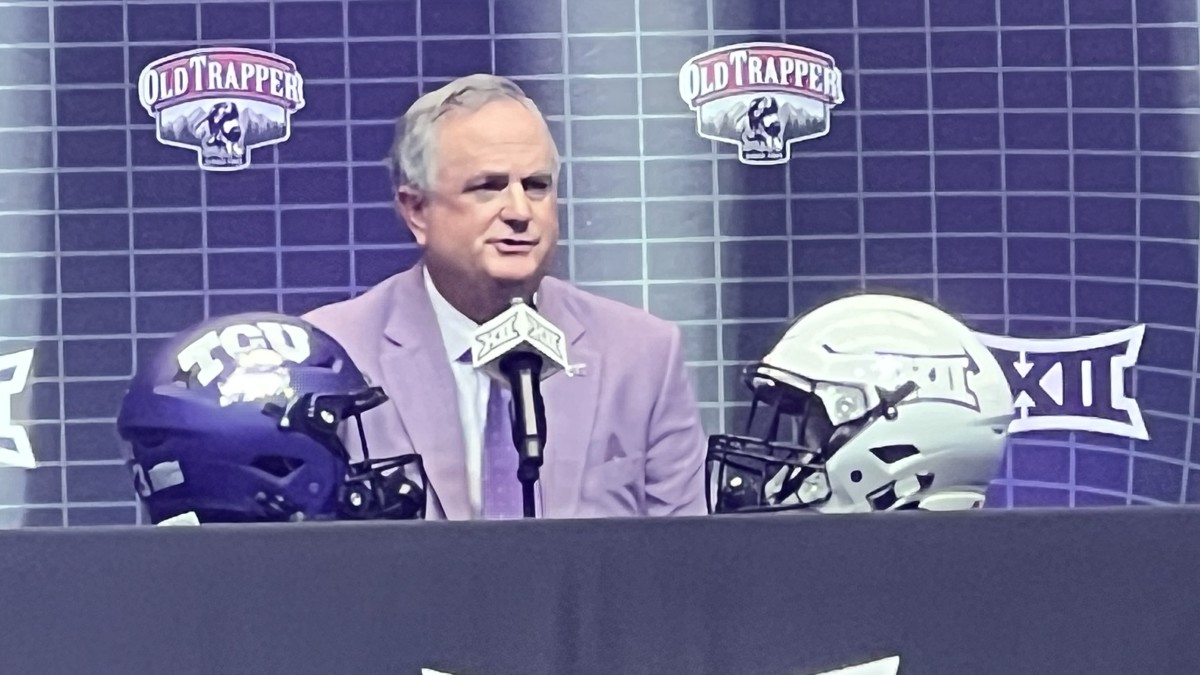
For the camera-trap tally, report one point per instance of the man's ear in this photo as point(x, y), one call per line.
point(410, 204)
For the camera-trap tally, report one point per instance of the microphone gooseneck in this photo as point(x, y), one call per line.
point(524, 373)
point(520, 348)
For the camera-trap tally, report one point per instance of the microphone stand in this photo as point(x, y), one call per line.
point(524, 370)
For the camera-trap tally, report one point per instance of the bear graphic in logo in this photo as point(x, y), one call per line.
point(222, 130)
point(760, 127)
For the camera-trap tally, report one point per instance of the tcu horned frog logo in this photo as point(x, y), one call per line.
point(222, 102)
point(761, 96)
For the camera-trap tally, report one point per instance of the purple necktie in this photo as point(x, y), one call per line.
point(501, 489)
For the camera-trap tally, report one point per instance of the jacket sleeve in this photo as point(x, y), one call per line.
point(676, 445)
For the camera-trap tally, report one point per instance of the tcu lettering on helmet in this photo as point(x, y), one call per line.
point(243, 419)
point(878, 403)
point(288, 341)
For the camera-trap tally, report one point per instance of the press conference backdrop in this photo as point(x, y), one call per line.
point(1029, 165)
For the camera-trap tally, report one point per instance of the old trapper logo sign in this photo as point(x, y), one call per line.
point(222, 102)
point(761, 96)
point(1072, 384)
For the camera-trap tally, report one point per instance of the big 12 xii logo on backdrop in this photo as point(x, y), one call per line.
point(222, 102)
point(1072, 384)
point(15, 448)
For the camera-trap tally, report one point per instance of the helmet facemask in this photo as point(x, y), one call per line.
point(372, 488)
point(774, 472)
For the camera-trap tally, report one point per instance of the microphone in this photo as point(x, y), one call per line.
point(520, 348)
point(520, 329)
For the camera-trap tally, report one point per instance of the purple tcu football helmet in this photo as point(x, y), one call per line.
point(237, 419)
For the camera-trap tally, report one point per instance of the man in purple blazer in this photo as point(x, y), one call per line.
point(476, 171)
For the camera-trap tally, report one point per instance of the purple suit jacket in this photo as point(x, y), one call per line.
point(623, 439)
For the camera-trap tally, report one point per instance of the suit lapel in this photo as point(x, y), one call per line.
point(421, 385)
point(571, 404)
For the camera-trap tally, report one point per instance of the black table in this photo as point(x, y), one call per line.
point(1023, 592)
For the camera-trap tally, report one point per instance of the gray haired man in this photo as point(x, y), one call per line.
point(476, 173)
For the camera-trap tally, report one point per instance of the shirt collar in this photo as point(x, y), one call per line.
point(456, 327)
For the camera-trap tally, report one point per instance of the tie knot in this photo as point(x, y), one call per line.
point(466, 357)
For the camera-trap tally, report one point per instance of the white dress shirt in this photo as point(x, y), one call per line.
point(473, 386)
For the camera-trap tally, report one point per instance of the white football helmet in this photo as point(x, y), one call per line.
point(895, 404)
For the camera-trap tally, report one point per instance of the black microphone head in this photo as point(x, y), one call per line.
point(513, 363)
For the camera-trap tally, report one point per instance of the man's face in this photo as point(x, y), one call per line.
point(492, 214)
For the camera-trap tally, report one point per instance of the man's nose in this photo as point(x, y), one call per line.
point(519, 210)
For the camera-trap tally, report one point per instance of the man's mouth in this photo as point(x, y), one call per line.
point(514, 245)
